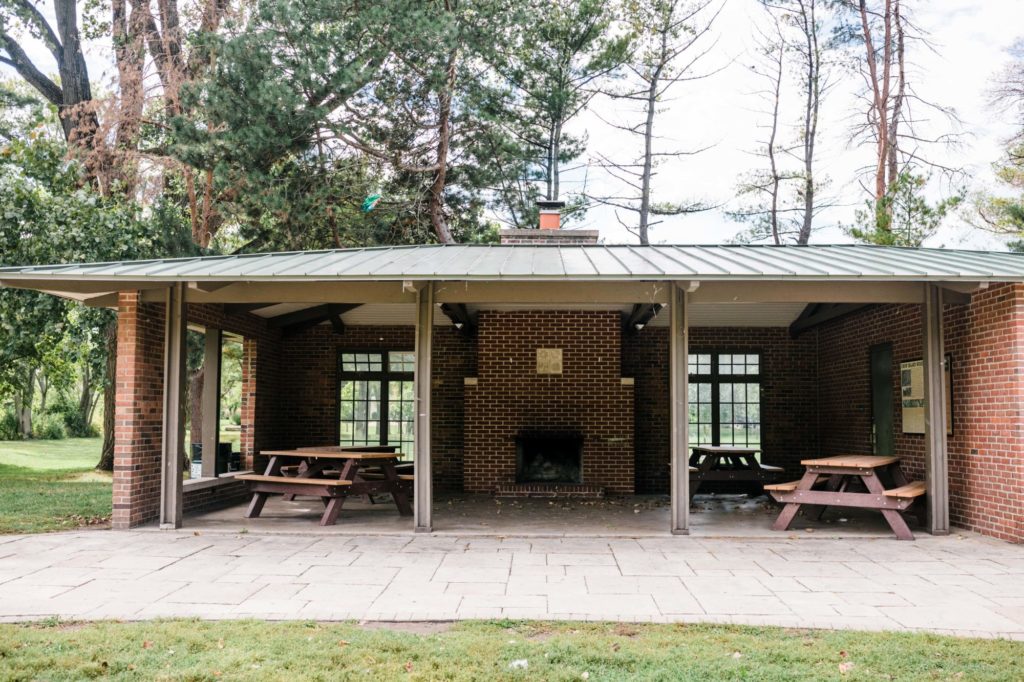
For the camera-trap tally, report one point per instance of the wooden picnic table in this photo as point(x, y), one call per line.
point(834, 482)
point(716, 463)
point(313, 479)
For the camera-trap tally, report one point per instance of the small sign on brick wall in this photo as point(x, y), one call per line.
point(549, 361)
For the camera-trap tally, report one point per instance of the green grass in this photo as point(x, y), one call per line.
point(253, 650)
point(48, 485)
point(79, 454)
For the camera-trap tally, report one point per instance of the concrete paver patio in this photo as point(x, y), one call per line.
point(962, 584)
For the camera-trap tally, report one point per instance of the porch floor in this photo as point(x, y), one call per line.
point(962, 584)
point(467, 515)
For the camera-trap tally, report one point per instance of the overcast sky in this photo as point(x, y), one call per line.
point(971, 38)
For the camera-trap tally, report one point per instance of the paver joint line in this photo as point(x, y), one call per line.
point(966, 586)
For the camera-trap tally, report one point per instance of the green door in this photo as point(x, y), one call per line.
point(881, 399)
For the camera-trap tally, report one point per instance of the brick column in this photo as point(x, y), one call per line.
point(247, 441)
point(138, 418)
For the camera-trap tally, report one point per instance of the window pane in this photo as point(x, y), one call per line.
point(399, 361)
point(699, 363)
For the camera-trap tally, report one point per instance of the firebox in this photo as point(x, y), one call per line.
point(549, 458)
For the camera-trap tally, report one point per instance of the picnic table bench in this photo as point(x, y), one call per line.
point(833, 482)
point(311, 476)
point(726, 463)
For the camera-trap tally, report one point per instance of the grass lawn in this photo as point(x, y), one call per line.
point(48, 485)
point(252, 650)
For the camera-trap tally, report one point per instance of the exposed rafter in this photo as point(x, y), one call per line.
point(460, 317)
point(291, 323)
point(818, 313)
point(641, 314)
point(242, 308)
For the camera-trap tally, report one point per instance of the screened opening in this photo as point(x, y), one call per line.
point(377, 399)
point(725, 399)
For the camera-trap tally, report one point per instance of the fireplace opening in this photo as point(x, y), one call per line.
point(549, 458)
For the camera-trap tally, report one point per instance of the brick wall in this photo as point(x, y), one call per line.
point(310, 414)
point(138, 416)
point(986, 343)
point(788, 385)
point(510, 397)
point(225, 494)
point(138, 411)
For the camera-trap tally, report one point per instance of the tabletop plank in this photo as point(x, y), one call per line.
point(725, 449)
point(333, 454)
point(852, 461)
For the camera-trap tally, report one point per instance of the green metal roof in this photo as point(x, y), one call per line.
point(556, 262)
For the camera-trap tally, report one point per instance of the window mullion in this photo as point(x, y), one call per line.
point(716, 418)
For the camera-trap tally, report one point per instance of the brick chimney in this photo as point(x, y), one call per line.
point(550, 229)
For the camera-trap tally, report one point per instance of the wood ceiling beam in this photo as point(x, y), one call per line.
point(300, 320)
point(640, 316)
point(242, 308)
point(819, 313)
point(460, 317)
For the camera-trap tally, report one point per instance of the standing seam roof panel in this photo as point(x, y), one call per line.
point(684, 258)
point(950, 260)
point(605, 263)
point(577, 262)
point(837, 255)
point(784, 259)
point(336, 263)
point(898, 262)
point(730, 259)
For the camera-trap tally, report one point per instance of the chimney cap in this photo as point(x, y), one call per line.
point(550, 204)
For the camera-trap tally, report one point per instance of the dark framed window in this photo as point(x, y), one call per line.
point(377, 398)
point(725, 398)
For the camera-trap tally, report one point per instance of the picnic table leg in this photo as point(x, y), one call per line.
point(789, 512)
point(332, 510)
point(835, 482)
point(892, 516)
point(259, 499)
point(397, 491)
point(256, 505)
point(303, 468)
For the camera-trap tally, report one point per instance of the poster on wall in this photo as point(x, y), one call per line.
point(913, 399)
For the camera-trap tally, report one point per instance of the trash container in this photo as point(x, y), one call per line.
point(220, 466)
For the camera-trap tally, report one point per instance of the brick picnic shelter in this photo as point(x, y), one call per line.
point(625, 355)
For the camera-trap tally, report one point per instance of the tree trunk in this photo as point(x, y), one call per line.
point(79, 121)
point(85, 400)
point(813, 104)
point(106, 462)
point(773, 215)
point(556, 151)
point(44, 390)
point(23, 405)
point(195, 406)
point(897, 102)
point(645, 180)
point(444, 136)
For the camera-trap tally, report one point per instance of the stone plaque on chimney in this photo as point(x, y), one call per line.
point(549, 361)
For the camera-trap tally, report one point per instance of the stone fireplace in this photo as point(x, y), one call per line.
point(549, 410)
